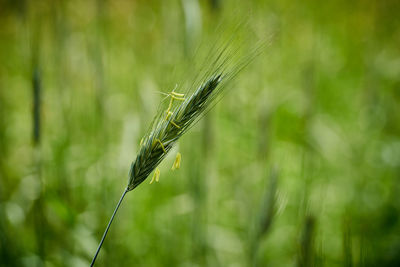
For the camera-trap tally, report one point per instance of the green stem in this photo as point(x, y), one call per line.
point(108, 226)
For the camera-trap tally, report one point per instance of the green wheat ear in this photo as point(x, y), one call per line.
point(167, 129)
point(159, 141)
point(182, 113)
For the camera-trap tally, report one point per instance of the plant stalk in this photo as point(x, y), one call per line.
point(108, 226)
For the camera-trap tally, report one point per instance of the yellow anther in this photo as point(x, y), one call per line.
point(141, 142)
point(177, 162)
point(161, 144)
point(176, 125)
point(169, 113)
point(156, 176)
point(170, 105)
point(177, 94)
point(177, 98)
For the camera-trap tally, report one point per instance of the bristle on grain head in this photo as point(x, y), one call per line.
point(180, 110)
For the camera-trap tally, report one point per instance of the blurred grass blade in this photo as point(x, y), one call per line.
point(306, 245)
point(264, 217)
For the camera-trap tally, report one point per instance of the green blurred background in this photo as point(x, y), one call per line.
point(299, 164)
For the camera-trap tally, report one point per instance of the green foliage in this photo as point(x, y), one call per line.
point(321, 103)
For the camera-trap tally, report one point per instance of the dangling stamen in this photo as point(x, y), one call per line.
point(177, 162)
